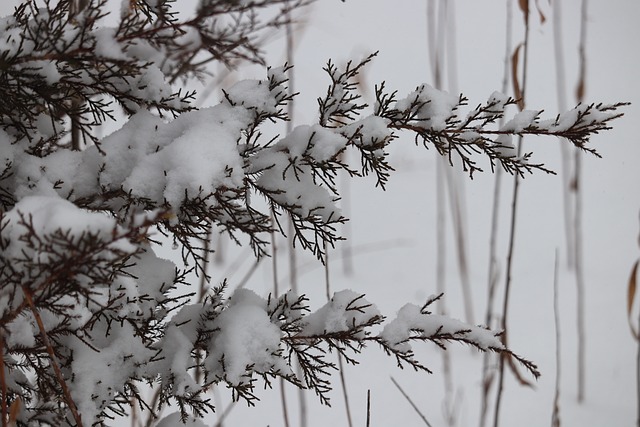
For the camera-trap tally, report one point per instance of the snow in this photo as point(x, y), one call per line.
point(345, 309)
point(253, 94)
point(432, 106)
point(373, 129)
point(174, 420)
point(246, 338)
point(99, 375)
point(411, 320)
point(190, 40)
point(154, 160)
point(176, 348)
point(107, 45)
point(504, 146)
point(297, 189)
point(521, 121)
point(21, 332)
point(45, 216)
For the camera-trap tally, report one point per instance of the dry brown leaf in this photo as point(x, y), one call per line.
point(631, 294)
point(580, 89)
point(524, 6)
point(514, 77)
point(14, 411)
point(543, 18)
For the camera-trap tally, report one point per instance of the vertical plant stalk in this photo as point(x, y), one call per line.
point(565, 150)
point(345, 205)
point(514, 214)
point(369, 407)
point(293, 262)
point(577, 187)
point(52, 357)
point(276, 293)
point(631, 292)
point(3, 381)
point(456, 201)
point(343, 381)
point(488, 375)
point(202, 289)
point(436, 24)
point(555, 416)
point(411, 402)
point(456, 178)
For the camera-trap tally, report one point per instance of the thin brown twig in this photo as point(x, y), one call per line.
point(580, 280)
point(3, 381)
point(555, 417)
point(276, 292)
point(512, 230)
point(369, 406)
point(413, 405)
point(436, 39)
point(564, 149)
point(343, 381)
point(52, 356)
point(488, 376)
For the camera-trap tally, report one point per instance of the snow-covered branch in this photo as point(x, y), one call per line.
point(86, 303)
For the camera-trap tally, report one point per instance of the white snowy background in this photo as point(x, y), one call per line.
point(393, 233)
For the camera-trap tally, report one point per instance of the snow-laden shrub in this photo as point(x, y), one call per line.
point(89, 313)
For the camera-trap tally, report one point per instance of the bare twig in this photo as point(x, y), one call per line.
point(512, 230)
point(580, 280)
point(488, 376)
point(3, 381)
point(413, 405)
point(52, 356)
point(274, 269)
point(564, 149)
point(555, 417)
point(369, 406)
point(343, 381)
point(437, 38)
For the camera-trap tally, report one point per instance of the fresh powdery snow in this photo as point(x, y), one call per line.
point(345, 310)
point(432, 107)
point(412, 321)
point(245, 338)
point(175, 420)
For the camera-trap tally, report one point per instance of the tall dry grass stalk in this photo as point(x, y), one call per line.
point(520, 92)
point(436, 24)
point(488, 373)
point(578, 212)
point(293, 262)
point(411, 402)
point(565, 150)
point(555, 415)
point(343, 380)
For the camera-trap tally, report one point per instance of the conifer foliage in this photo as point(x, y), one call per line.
point(89, 315)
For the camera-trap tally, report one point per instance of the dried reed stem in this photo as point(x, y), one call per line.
point(3, 381)
point(413, 405)
point(512, 229)
point(488, 376)
point(580, 279)
point(555, 416)
point(565, 150)
point(52, 357)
